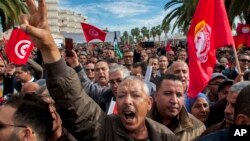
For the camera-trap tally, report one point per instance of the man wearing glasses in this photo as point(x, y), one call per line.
point(233, 72)
point(90, 71)
point(25, 117)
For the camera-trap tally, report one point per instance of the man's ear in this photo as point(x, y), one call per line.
point(25, 134)
point(242, 119)
point(150, 102)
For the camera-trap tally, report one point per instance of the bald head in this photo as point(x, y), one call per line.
point(30, 87)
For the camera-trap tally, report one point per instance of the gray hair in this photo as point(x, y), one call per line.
point(135, 78)
point(237, 87)
point(117, 67)
point(170, 69)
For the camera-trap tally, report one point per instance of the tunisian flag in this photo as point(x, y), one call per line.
point(91, 32)
point(209, 30)
point(19, 47)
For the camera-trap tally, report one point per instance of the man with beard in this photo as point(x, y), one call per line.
point(80, 114)
point(170, 111)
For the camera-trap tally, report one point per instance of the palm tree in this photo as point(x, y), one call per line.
point(10, 11)
point(153, 32)
point(158, 31)
point(145, 32)
point(137, 32)
point(133, 33)
point(241, 9)
point(183, 10)
point(165, 28)
point(125, 34)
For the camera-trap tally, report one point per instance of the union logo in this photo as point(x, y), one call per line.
point(202, 40)
point(93, 32)
point(21, 48)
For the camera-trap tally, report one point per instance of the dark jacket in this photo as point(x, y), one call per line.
point(83, 117)
point(221, 135)
point(186, 127)
point(101, 95)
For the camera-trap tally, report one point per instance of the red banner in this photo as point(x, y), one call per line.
point(209, 30)
point(19, 47)
point(91, 32)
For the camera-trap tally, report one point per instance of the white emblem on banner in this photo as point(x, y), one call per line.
point(202, 41)
point(21, 48)
point(93, 32)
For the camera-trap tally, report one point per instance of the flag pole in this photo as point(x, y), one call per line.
point(237, 61)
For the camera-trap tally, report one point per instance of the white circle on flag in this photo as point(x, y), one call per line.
point(245, 29)
point(21, 48)
point(93, 32)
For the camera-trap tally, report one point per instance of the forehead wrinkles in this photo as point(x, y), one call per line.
point(130, 85)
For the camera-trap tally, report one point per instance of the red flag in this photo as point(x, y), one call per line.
point(19, 47)
point(112, 108)
point(243, 29)
point(91, 32)
point(209, 30)
point(248, 41)
point(168, 47)
point(239, 40)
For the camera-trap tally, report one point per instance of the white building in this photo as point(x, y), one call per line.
point(52, 6)
point(69, 21)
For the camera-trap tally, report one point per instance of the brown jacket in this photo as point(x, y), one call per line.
point(83, 117)
point(187, 127)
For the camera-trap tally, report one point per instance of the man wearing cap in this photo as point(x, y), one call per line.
point(212, 86)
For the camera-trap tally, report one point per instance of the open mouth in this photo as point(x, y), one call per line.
point(129, 115)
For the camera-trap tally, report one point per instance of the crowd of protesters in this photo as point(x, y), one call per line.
point(55, 97)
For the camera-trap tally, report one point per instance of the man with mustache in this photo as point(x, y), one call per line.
point(79, 113)
point(170, 111)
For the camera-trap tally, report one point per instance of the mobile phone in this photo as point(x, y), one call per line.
point(69, 47)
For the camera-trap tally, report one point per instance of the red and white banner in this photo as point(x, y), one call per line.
point(209, 30)
point(91, 32)
point(19, 47)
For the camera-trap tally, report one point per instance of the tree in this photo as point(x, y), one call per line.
point(145, 32)
point(125, 35)
point(158, 32)
point(133, 33)
point(165, 28)
point(137, 32)
point(10, 11)
point(153, 32)
point(182, 11)
point(241, 9)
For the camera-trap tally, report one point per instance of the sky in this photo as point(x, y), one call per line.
point(118, 15)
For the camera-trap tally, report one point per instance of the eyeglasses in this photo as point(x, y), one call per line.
point(244, 60)
point(90, 69)
point(2, 126)
point(117, 81)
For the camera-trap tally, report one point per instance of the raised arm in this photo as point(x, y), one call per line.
point(80, 114)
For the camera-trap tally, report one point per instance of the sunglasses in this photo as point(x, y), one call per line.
point(244, 60)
